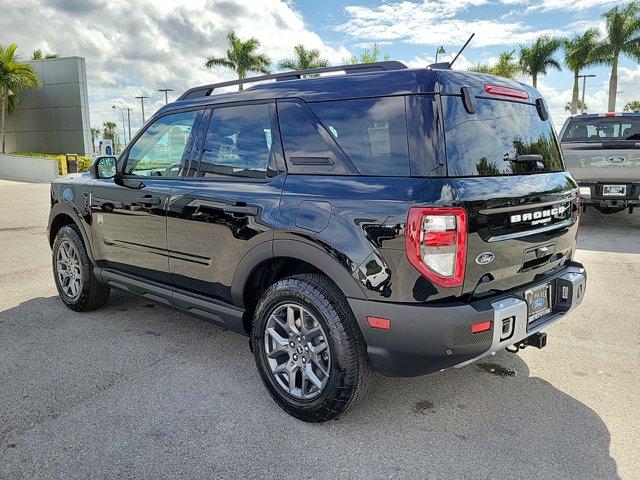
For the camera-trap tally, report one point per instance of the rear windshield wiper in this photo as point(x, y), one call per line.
point(524, 158)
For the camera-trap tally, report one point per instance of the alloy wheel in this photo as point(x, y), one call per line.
point(297, 351)
point(68, 269)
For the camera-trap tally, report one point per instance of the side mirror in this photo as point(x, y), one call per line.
point(104, 167)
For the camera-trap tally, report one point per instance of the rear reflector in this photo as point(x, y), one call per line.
point(436, 243)
point(380, 323)
point(506, 91)
point(481, 327)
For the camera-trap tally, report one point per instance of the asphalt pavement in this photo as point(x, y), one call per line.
point(136, 390)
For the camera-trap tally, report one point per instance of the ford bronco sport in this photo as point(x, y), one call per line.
point(388, 219)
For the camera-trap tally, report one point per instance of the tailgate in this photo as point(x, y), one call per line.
point(520, 228)
point(603, 161)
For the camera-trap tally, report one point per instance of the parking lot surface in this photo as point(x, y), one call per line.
point(136, 390)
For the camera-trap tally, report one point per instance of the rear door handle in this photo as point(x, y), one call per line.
point(251, 210)
point(148, 200)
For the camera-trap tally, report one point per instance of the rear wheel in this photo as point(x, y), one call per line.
point(308, 348)
point(77, 286)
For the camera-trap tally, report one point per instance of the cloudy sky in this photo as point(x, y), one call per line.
point(137, 47)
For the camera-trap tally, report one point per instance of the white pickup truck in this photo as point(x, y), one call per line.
point(602, 152)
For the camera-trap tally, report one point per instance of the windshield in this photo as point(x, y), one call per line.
point(599, 129)
point(501, 138)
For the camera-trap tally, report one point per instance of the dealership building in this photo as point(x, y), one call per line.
point(55, 117)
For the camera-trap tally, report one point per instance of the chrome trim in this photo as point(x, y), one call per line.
point(530, 206)
point(509, 236)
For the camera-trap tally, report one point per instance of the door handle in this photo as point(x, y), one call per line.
point(251, 210)
point(148, 200)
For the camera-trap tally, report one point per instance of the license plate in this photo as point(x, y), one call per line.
point(539, 301)
point(614, 190)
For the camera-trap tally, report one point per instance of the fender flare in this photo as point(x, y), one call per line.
point(64, 208)
point(296, 249)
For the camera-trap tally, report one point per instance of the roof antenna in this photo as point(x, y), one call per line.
point(463, 47)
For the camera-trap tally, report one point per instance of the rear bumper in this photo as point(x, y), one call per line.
point(424, 339)
point(591, 193)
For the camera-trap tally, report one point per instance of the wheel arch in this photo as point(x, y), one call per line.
point(62, 215)
point(267, 263)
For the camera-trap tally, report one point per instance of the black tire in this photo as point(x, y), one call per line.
point(350, 371)
point(92, 294)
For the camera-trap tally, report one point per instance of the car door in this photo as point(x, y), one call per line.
point(229, 206)
point(129, 211)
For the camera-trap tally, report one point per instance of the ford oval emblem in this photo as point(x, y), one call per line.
point(485, 258)
point(538, 303)
point(617, 159)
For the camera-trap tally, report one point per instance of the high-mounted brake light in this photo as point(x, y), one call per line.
point(506, 91)
point(436, 243)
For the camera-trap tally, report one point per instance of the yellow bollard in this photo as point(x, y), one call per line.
point(63, 165)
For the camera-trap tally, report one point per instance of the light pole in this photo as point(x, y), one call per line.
point(166, 91)
point(439, 51)
point(124, 132)
point(142, 97)
point(584, 87)
point(129, 121)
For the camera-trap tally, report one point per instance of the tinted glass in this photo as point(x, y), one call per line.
point(160, 149)
point(239, 142)
point(598, 129)
point(372, 132)
point(490, 141)
point(300, 136)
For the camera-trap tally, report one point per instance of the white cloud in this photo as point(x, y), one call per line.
point(131, 50)
point(571, 5)
point(433, 23)
point(462, 63)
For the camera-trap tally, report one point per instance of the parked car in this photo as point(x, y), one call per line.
point(389, 219)
point(602, 152)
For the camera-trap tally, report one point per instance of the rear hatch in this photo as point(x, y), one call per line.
point(604, 147)
point(507, 172)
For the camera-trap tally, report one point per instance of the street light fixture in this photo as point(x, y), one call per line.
point(124, 132)
point(166, 91)
point(584, 87)
point(142, 97)
point(439, 51)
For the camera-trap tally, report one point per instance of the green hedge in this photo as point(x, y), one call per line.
point(83, 161)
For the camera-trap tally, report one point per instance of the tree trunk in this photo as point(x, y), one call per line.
point(2, 109)
point(534, 77)
point(613, 84)
point(576, 93)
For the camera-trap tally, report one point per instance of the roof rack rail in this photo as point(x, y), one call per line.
point(206, 90)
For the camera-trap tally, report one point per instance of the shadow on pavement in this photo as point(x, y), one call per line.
point(617, 232)
point(140, 391)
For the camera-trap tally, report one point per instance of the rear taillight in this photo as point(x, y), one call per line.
point(436, 243)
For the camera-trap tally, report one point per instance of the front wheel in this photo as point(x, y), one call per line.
point(308, 348)
point(77, 286)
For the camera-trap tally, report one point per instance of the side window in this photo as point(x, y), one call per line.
point(240, 142)
point(372, 132)
point(160, 150)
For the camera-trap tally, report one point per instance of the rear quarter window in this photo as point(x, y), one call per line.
point(486, 143)
point(372, 132)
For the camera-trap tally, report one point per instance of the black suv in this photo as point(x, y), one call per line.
point(389, 219)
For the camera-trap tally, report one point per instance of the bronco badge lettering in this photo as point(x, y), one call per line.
point(539, 216)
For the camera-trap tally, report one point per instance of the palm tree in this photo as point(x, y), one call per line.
point(506, 66)
point(304, 60)
point(368, 56)
point(578, 54)
point(241, 57)
point(109, 132)
point(37, 55)
point(14, 76)
point(623, 37)
point(632, 106)
point(537, 58)
point(95, 135)
point(569, 107)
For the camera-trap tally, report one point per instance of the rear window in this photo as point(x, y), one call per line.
point(598, 129)
point(490, 141)
point(372, 132)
